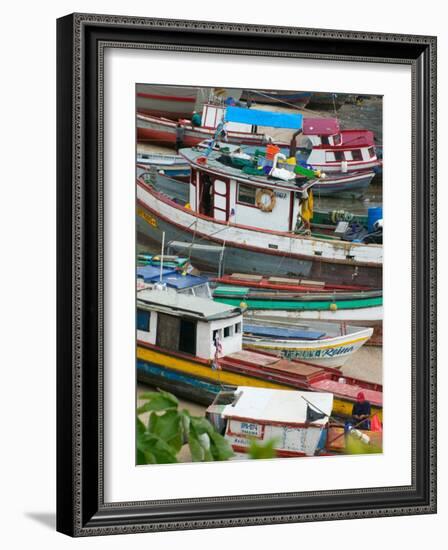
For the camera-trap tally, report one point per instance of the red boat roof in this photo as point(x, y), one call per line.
point(357, 138)
point(349, 391)
point(320, 126)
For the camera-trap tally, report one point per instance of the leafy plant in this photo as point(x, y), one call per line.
point(168, 429)
point(356, 447)
point(262, 450)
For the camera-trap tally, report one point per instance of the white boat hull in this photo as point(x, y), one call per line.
point(329, 352)
point(370, 314)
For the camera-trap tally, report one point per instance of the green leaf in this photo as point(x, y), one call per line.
point(140, 428)
point(262, 450)
point(196, 449)
point(201, 425)
point(168, 427)
point(157, 401)
point(152, 445)
point(141, 459)
point(220, 447)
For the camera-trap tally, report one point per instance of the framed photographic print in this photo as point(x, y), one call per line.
point(246, 275)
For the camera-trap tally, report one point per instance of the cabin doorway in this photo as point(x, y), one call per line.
point(214, 198)
point(176, 334)
point(206, 196)
point(220, 200)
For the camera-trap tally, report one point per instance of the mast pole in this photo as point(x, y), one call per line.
point(161, 256)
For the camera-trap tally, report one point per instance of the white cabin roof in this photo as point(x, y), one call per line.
point(186, 305)
point(262, 404)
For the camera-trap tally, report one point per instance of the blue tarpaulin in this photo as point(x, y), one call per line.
point(171, 277)
point(151, 273)
point(263, 118)
point(280, 332)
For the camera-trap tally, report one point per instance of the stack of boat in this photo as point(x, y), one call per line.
point(273, 303)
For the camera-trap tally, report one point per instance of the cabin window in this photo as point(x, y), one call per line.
point(356, 154)
point(227, 331)
point(143, 320)
point(339, 155)
point(337, 139)
point(325, 140)
point(237, 328)
point(217, 335)
point(371, 152)
point(246, 194)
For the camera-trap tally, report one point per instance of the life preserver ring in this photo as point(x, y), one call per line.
point(261, 201)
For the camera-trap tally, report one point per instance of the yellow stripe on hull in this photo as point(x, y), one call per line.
point(307, 348)
point(341, 407)
point(202, 371)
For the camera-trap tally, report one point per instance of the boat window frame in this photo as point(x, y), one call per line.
point(148, 314)
point(239, 201)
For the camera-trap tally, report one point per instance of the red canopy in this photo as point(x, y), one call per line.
point(320, 126)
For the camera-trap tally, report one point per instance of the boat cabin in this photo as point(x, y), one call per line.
point(294, 419)
point(188, 324)
point(333, 149)
point(227, 194)
point(213, 115)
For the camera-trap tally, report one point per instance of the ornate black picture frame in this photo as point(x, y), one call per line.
point(81, 509)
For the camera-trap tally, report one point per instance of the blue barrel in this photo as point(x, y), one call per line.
point(374, 214)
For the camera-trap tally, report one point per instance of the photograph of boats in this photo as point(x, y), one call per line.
point(259, 265)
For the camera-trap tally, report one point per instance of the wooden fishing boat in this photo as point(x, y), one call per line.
point(193, 347)
point(325, 146)
point(336, 306)
point(163, 131)
point(176, 102)
point(326, 344)
point(181, 193)
point(173, 278)
point(167, 101)
point(175, 262)
point(174, 166)
point(222, 199)
point(295, 420)
point(283, 283)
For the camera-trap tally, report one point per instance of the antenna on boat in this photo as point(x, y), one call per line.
point(221, 257)
point(161, 257)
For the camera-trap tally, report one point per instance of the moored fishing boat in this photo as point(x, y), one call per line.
point(193, 347)
point(294, 420)
point(176, 102)
point(332, 306)
point(280, 283)
point(166, 101)
point(223, 198)
point(173, 166)
point(325, 146)
point(172, 278)
point(164, 131)
point(326, 344)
